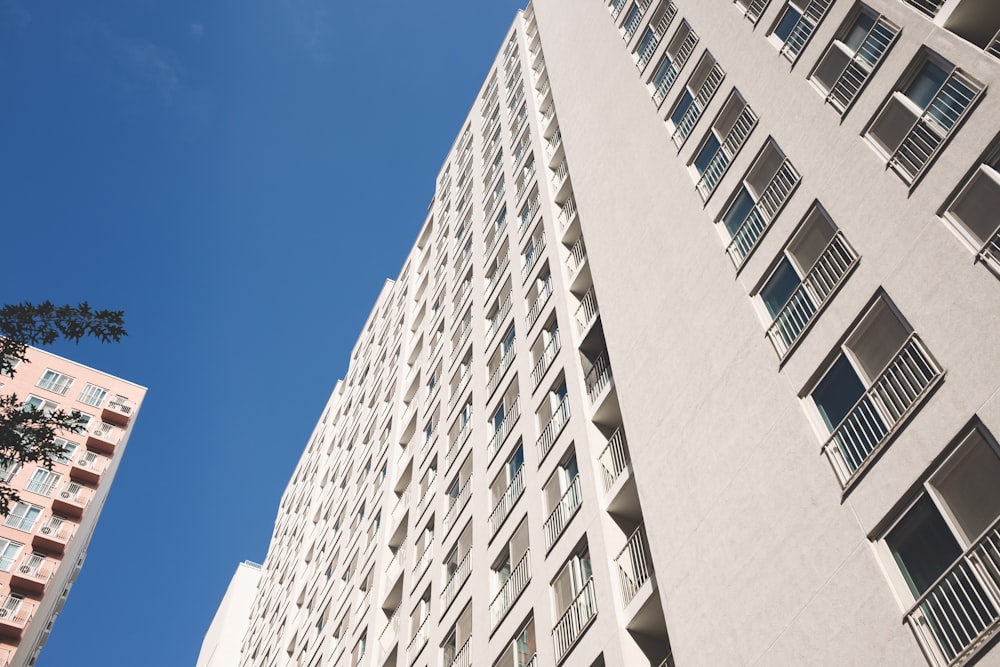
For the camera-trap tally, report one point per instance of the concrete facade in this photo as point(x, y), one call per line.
point(778, 221)
point(44, 539)
point(224, 638)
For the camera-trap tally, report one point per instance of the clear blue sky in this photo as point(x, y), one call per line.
point(239, 176)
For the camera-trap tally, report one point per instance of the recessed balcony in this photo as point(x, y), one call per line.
point(561, 188)
point(586, 313)
point(565, 510)
point(575, 620)
point(511, 589)
point(636, 581)
point(419, 640)
point(557, 422)
point(505, 505)
point(456, 505)
point(54, 534)
point(503, 429)
point(599, 383)
point(456, 580)
point(545, 361)
point(33, 573)
point(388, 638)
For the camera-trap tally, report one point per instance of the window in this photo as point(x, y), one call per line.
point(507, 488)
point(511, 573)
point(698, 92)
point(808, 271)
point(68, 449)
point(8, 470)
point(921, 114)
point(41, 405)
point(850, 59)
point(563, 498)
point(972, 210)
point(878, 376)
point(574, 595)
point(795, 25)
point(9, 551)
point(55, 382)
point(944, 551)
point(521, 650)
point(632, 20)
point(759, 198)
point(677, 53)
point(725, 138)
point(93, 395)
point(752, 9)
point(23, 516)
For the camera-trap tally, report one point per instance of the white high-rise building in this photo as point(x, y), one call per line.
point(694, 361)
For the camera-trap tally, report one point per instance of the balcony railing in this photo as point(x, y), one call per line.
point(646, 52)
point(632, 24)
point(507, 501)
point(598, 377)
point(665, 20)
point(544, 361)
point(928, 7)
point(993, 48)
point(459, 442)
point(532, 255)
point(554, 141)
point(552, 430)
point(559, 174)
point(464, 656)
point(527, 214)
point(616, 8)
point(667, 78)
point(463, 382)
point(462, 337)
point(563, 512)
point(728, 148)
point(803, 29)
point(577, 256)
point(990, 252)
point(891, 398)
point(634, 564)
point(497, 320)
point(504, 429)
point(36, 567)
point(457, 505)
point(575, 620)
point(812, 293)
point(56, 528)
point(544, 91)
point(516, 582)
point(567, 212)
point(402, 504)
point(92, 461)
point(753, 9)
point(505, 361)
point(544, 292)
point(773, 197)
point(456, 580)
point(698, 104)
point(419, 639)
point(387, 638)
point(15, 611)
point(398, 558)
point(423, 561)
point(502, 263)
point(529, 172)
point(614, 459)
point(587, 311)
point(960, 611)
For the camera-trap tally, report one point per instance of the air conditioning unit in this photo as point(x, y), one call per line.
point(65, 494)
point(46, 530)
point(82, 463)
point(3, 612)
point(25, 569)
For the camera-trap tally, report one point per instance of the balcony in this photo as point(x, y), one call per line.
point(511, 589)
point(554, 142)
point(507, 501)
point(506, 359)
point(930, 8)
point(15, 614)
point(577, 256)
point(463, 382)
point(544, 292)
point(401, 507)
point(72, 499)
point(586, 312)
point(54, 534)
point(104, 438)
point(419, 640)
point(567, 213)
point(456, 581)
point(503, 429)
point(577, 618)
point(498, 318)
point(545, 361)
point(458, 443)
point(394, 567)
point(462, 337)
point(528, 214)
point(701, 99)
point(990, 253)
point(816, 288)
point(560, 182)
point(599, 378)
point(881, 410)
point(727, 150)
point(615, 461)
point(553, 428)
point(525, 180)
point(532, 255)
point(664, 79)
point(771, 200)
point(423, 562)
point(565, 510)
point(456, 506)
point(118, 411)
point(464, 656)
point(388, 637)
point(634, 565)
point(33, 573)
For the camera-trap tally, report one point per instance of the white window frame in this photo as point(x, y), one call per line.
point(54, 381)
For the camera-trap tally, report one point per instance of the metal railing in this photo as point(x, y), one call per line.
point(463, 382)
point(527, 214)
point(464, 656)
point(544, 292)
point(529, 171)
point(727, 150)
point(419, 639)
point(107, 432)
point(559, 174)
point(554, 141)
point(614, 459)
point(616, 8)
point(460, 440)
point(74, 492)
point(812, 14)
point(509, 591)
point(505, 361)
point(563, 512)
point(402, 504)
point(577, 256)
point(587, 311)
point(812, 293)
point(753, 9)
point(498, 318)
point(883, 406)
point(666, 19)
point(928, 7)
point(544, 91)
point(544, 361)
point(37, 566)
point(57, 528)
point(503, 429)
point(457, 505)
point(960, 611)
point(425, 559)
point(859, 68)
point(575, 619)
point(993, 48)
point(498, 273)
point(990, 252)
point(558, 421)
point(691, 115)
point(463, 336)
point(933, 125)
point(532, 254)
point(568, 211)
point(456, 580)
point(510, 496)
point(633, 21)
point(599, 377)
point(648, 44)
point(43, 487)
point(389, 631)
point(15, 610)
point(634, 564)
point(772, 198)
point(669, 70)
point(121, 405)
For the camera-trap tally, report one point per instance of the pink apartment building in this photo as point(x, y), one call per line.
point(44, 538)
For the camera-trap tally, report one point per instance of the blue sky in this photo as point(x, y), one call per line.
point(239, 176)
